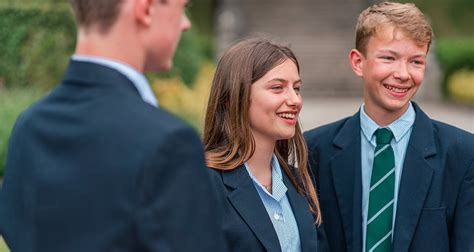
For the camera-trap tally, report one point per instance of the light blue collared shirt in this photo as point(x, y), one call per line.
point(279, 209)
point(137, 78)
point(401, 129)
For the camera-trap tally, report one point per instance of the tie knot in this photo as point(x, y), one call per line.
point(383, 136)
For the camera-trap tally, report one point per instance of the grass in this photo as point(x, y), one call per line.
point(3, 246)
point(12, 103)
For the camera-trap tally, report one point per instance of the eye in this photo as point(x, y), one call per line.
point(297, 89)
point(386, 57)
point(277, 87)
point(419, 62)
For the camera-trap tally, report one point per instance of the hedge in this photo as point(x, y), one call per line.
point(35, 44)
point(455, 54)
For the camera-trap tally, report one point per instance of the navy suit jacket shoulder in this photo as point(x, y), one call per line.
point(92, 167)
point(244, 219)
point(436, 197)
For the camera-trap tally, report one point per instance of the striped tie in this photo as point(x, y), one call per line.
point(382, 182)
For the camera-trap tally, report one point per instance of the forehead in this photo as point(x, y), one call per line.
point(287, 66)
point(390, 35)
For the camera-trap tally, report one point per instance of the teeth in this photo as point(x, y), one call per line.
point(287, 115)
point(397, 90)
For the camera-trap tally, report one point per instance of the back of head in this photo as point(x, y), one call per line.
point(227, 127)
point(404, 17)
point(101, 14)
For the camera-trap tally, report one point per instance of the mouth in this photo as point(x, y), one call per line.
point(288, 117)
point(397, 91)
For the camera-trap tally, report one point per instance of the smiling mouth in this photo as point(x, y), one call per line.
point(395, 89)
point(290, 116)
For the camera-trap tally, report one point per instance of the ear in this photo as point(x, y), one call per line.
point(144, 11)
point(356, 59)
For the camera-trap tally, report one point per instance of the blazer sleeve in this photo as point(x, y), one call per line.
point(463, 231)
point(176, 205)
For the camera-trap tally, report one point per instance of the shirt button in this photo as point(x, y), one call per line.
point(276, 216)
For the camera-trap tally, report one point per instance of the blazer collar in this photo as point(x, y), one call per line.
point(347, 179)
point(304, 217)
point(95, 75)
point(415, 181)
point(345, 136)
point(247, 202)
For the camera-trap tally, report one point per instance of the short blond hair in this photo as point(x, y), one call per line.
point(406, 17)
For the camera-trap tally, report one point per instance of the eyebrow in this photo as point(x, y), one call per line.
point(395, 53)
point(283, 80)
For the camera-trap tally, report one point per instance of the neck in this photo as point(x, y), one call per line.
point(112, 45)
point(260, 162)
point(383, 117)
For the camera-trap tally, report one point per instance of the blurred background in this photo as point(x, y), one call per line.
point(37, 38)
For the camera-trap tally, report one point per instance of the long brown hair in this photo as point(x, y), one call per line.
point(228, 140)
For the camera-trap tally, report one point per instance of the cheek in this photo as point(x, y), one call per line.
point(300, 104)
point(418, 77)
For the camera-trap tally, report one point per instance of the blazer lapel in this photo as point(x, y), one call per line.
point(346, 175)
point(303, 216)
point(247, 202)
point(415, 181)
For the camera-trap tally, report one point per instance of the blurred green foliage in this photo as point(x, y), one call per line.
point(12, 103)
point(202, 14)
point(448, 17)
point(455, 54)
point(34, 44)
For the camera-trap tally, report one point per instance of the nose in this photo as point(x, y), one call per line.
point(402, 72)
point(293, 98)
point(185, 23)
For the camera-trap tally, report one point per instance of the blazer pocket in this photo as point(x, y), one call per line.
point(431, 232)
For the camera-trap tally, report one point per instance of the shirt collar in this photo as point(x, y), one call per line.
point(399, 127)
point(137, 78)
point(278, 187)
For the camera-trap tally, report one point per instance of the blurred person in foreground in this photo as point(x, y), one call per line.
point(390, 178)
point(96, 165)
point(256, 153)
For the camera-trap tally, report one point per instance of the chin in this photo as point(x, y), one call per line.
point(159, 66)
point(286, 136)
point(395, 106)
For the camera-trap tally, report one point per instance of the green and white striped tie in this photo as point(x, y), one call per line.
point(382, 184)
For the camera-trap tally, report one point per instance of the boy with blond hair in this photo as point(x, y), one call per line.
point(389, 177)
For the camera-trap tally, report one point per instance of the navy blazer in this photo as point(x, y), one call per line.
point(245, 221)
point(435, 209)
point(92, 167)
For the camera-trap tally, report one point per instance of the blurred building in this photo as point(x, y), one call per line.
point(320, 32)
